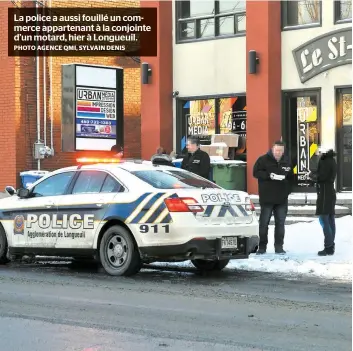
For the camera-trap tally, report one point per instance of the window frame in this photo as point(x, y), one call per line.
point(72, 185)
point(68, 186)
point(336, 13)
point(285, 122)
point(180, 121)
point(284, 18)
point(196, 19)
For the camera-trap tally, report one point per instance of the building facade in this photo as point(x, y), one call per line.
point(301, 91)
point(297, 85)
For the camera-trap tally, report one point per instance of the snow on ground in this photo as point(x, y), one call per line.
point(302, 242)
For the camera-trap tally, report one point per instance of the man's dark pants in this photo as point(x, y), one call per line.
point(329, 228)
point(280, 214)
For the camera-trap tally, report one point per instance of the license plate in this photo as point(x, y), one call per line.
point(229, 242)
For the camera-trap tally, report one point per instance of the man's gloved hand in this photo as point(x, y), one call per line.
point(275, 176)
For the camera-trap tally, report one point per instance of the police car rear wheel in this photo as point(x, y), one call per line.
point(3, 246)
point(206, 265)
point(118, 252)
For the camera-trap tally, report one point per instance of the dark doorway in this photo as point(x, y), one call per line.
point(344, 138)
point(301, 132)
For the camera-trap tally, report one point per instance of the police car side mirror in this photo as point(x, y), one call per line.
point(10, 190)
point(23, 193)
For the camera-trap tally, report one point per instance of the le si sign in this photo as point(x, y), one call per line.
point(323, 53)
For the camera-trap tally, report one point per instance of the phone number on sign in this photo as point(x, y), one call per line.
point(92, 121)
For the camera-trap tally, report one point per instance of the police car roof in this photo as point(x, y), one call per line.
point(126, 165)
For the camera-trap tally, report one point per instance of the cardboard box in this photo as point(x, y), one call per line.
point(205, 148)
point(219, 149)
point(230, 139)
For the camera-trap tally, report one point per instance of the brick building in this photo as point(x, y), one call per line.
point(18, 122)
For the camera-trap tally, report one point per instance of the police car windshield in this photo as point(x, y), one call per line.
point(173, 179)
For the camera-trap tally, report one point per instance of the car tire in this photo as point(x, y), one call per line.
point(205, 265)
point(118, 252)
point(221, 264)
point(3, 246)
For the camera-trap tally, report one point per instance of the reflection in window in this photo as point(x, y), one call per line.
point(200, 117)
point(241, 24)
point(207, 28)
point(53, 186)
point(89, 182)
point(226, 6)
point(187, 30)
point(347, 109)
point(232, 119)
point(301, 12)
point(110, 185)
point(195, 8)
point(226, 25)
point(343, 10)
point(207, 19)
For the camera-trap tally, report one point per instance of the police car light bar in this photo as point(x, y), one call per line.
point(97, 160)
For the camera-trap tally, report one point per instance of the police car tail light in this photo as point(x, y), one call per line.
point(183, 204)
point(249, 205)
point(97, 160)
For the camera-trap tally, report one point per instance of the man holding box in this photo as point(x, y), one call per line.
point(275, 176)
point(196, 160)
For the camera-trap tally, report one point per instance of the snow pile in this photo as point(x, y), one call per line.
point(302, 242)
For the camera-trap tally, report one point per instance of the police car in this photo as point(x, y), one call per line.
point(126, 213)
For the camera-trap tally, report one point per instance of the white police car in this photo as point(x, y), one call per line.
point(126, 213)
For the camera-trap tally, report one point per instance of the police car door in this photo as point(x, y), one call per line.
point(83, 209)
point(34, 220)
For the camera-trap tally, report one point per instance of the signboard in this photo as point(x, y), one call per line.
point(303, 143)
point(239, 123)
point(199, 124)
point(95, 113)
point(92, 108)
point(323, 53)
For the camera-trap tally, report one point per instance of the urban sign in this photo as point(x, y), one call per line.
point(323, 53)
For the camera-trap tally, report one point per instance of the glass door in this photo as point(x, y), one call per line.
point(301, 132)
point(344, 138)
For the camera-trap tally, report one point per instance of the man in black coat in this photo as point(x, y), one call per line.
point(275, 176)
point(324, 177)
point(196, 161)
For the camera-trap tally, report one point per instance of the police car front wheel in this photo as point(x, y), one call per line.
point(119, 254)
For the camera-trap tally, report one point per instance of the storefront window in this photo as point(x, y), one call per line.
point(200, 118)
point(302, 134)
point(232, 119)
point(344, 138)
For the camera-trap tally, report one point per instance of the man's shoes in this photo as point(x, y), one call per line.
point(327, 251)
point(279, 251)
point(261, 251)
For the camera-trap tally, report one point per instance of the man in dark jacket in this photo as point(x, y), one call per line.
point(275, 176)
point(324, 177)
point(196, 161)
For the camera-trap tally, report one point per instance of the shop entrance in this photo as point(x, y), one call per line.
point(301, 133)
point(344, 138)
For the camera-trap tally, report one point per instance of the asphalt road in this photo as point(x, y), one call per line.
point(60, 307)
